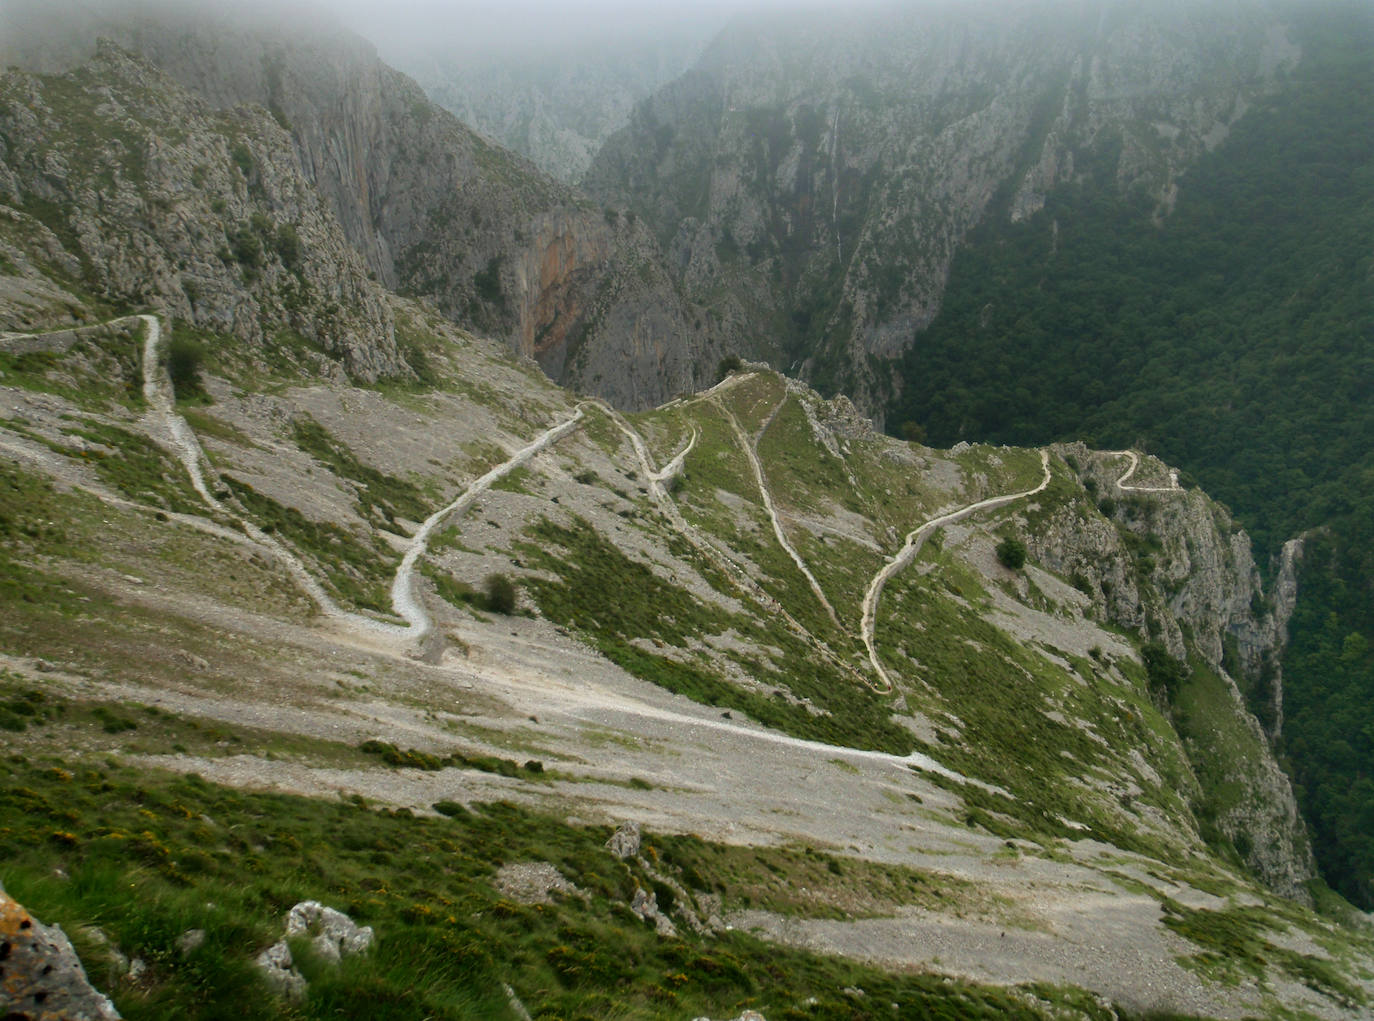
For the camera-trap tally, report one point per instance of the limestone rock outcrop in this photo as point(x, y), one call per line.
point(203, 214)
point(315, 132)
point(333, 936)
point(41, 978)
point(1172, 566)
point(624, 842)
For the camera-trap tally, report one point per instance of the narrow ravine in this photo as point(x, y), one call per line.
point(914, 541)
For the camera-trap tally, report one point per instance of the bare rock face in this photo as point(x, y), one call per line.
point(1171, 566)
point(430, 208)
point(41, 978)
point(156, 199)
point(231, 123)
point(645, 905)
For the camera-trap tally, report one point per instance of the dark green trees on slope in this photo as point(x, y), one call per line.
point(1234, 337)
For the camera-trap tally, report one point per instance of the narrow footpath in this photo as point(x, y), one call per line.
point(914, 541)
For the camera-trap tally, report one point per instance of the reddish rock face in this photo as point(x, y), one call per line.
point(561, 258)
point(41, 978)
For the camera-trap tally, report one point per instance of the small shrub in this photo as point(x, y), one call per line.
point(500, 592)
point(288, 246)
point(111, 722)
point(727, 365)
point(1165, 673)
point(1107, 506)
point(243, 159)
point(1012, 554)
point(247, 247)
point(185, 356)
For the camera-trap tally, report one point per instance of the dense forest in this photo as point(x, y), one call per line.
point(1233, 337)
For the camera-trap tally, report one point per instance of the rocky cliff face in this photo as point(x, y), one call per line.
point(816, 174)
point(134, 188)
point(434, 210)
point(1172, 567)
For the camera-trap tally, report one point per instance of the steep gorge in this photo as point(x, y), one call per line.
point(813, 177)
point(434, 210)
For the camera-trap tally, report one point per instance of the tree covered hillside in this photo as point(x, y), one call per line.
point(1233, 336)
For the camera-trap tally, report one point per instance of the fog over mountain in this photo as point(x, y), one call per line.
point(760, 511)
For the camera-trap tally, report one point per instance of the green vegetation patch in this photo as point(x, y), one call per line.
point(932, 627)
point(803, 882)
point(356, 568)
point(98, 368)
point(801, 472)
point(614, 600)
point(380, 495)
point(532, 769)
point(145, 857)
point(1233, 945)
point(1223, 751)
point(137, 467)
point(23, 706)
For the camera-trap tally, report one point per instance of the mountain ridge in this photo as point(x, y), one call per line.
point(816, 176)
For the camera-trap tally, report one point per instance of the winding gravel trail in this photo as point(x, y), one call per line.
point(1172, 487)
point(752, 456)
point(403, 599)
point(163, 417)
point(157, 389)
point(702, 545)
point(914, 541)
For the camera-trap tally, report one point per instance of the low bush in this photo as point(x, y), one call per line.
point(1012, 554)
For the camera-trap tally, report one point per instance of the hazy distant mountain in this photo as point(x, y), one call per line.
point(551, 88)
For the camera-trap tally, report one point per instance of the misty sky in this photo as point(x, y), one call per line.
point(468, 25)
